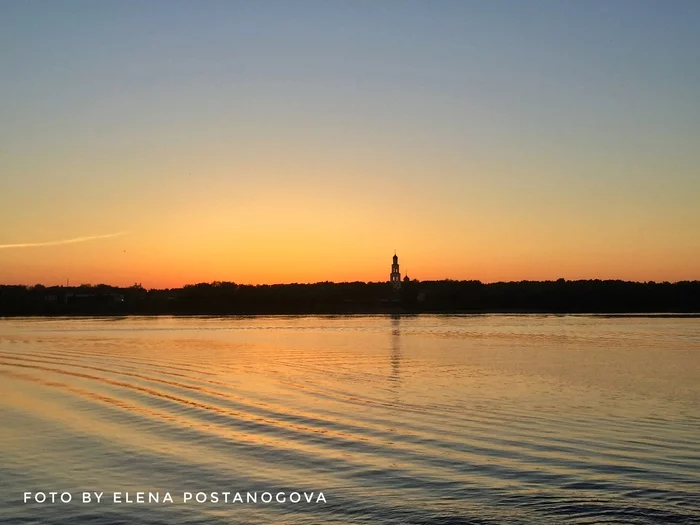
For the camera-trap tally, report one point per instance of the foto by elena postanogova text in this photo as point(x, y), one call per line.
point(53, 497)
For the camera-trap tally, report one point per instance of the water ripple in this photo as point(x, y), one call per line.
point(453, 420)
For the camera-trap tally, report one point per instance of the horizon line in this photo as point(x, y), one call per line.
point(308, 283)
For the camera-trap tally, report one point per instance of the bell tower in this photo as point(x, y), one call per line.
point(395, 276)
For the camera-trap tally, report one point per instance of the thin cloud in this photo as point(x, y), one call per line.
point(58, 243)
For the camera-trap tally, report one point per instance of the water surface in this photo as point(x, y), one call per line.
point(426, 419)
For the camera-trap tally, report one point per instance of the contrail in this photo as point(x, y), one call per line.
point(57, 243)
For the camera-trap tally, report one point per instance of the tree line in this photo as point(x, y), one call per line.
point(446, 296)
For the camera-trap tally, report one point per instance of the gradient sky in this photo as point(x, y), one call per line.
point(302, 141)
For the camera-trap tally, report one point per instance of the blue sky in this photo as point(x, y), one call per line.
point(574, 123)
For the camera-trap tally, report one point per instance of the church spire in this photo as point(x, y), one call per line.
point(395, 276)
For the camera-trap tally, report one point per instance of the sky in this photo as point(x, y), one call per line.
point(171, 142)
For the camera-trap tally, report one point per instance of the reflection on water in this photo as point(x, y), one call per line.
point(418, 419)
point(394, 378)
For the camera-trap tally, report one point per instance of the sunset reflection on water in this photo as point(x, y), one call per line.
point(419, 419)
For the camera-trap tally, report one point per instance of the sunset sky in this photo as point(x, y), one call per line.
point(301, 141)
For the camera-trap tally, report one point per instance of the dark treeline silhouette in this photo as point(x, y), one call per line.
point(221, 298)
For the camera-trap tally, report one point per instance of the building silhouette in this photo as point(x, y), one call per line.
point(395, 276)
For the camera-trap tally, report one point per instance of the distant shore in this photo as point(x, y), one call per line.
point(613, 298)
point(642, 315)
